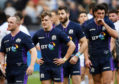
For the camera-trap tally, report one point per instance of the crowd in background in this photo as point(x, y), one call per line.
point(31, 9)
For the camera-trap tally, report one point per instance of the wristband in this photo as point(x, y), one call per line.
point(64, 59)
point(78, 54)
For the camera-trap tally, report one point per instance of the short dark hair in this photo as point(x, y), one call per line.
point(113, 11)
point(82, 12)
point(45, 13)
point(64, 8)
point(19, 14)
point(54, 11)
point(92, 5)
point(106, 6)
point(99, 7)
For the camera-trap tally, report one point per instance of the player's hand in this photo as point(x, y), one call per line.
point(40, 61)
point(29, 70)
point(100, 21)
point(88, 63)
point(74, 60)
point(2, 68)
point(59, 61)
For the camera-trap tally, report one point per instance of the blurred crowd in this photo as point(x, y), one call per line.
point(31, 9)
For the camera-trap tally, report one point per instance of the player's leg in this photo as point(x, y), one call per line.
point(21, 78)
point(117, 76)
point(90, 78)
point(65, 80)
point(58, 82)
point(113, 76)
point(75, 73)
point(57, 75)
point(2, 80)
point(107, 77)
point(10, 80)
point(66, 71)
point(76, 79)
point(46, 82)
point(97, 78)
point(107, 68)
point(82, 64)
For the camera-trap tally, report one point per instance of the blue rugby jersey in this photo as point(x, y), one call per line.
point(16, 48)
point(50, 44)
point(75, 33)
point(99, 39)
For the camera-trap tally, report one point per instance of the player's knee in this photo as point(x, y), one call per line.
point(97, 81)
point(106, 81)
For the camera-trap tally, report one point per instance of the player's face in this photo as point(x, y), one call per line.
point(113, 17)
point(54, 17)
point(46, 22)
point(63, 16)
point(82, 18)
point(12, 24)
point(99, 14)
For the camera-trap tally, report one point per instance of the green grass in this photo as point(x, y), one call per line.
point(34, 78)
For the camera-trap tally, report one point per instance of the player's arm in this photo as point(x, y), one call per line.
point(86, 55)
point(111, 31)
point(71, 48)
point(112, 44)
point(2, 58)
point(2, 63)
point(33, 53)
point(83, 46)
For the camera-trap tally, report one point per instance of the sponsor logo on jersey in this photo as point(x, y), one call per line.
point(70, 37)
point(6, 41)
point(102, 35)
point(92, 29)
point(41, 37)
point(51, 45)
point(14, 47)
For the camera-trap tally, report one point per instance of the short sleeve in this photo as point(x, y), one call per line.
point(35, 39)
point(79, 32)
point(85, 29)
point(64, 37)
point(2, 48)
point(27, 42)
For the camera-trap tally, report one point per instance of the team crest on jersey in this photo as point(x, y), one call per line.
point(54, 37)
point(71, 31)
point(18, 40)
point(103, 28)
